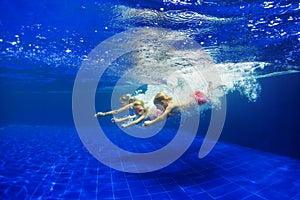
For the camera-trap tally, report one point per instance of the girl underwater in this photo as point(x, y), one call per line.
point(140, 113)
point(168, 107)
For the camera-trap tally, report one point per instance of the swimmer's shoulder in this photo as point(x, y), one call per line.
point(174, 105)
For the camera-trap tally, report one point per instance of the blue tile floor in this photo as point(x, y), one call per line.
point(39, 162)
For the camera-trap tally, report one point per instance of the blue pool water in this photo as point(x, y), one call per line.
point(253, 45)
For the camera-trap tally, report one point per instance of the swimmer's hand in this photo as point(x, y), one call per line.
point(99, 114)
point(116, 120)
point(147, 123)
point(124, 125)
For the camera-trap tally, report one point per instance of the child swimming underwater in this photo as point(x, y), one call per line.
point(140, 113)
point(169, 108)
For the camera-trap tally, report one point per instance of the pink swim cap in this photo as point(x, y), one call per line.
point(200, 97)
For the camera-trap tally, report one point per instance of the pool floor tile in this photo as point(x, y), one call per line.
point(40, 162)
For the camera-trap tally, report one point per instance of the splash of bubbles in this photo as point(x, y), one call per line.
point(175, 61)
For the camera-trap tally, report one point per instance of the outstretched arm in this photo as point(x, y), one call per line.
point(113, 112)
point(159, 118)
point(124, 108)
point(118, 120)
point(143, 116)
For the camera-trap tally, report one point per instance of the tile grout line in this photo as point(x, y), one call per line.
point(112, 184)
point(51, 169)
point(97, 182)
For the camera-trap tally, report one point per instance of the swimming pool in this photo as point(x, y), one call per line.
point(250, 48)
